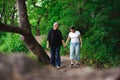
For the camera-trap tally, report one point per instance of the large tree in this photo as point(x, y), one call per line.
point(24, 30)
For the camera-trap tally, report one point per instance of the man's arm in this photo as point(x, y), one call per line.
point(48, 45)
point(48, 39)
point(63, 43)
point(61, 37)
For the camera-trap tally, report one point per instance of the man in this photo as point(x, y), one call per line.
point(55, 41)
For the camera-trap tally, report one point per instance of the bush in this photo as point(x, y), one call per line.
point(12, 43)
point(43, 41)
point(96, 52)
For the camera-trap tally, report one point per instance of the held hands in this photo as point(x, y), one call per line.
point(64, 45)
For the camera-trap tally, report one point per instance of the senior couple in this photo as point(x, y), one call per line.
point(55, 41)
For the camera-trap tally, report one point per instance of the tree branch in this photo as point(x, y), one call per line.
point(29, 40)
point(14, 29)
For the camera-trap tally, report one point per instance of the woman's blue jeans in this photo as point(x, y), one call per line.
point(55, 55)
point(75, 51)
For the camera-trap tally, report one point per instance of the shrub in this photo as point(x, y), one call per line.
point(12, 43)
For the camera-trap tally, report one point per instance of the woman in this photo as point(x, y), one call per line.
point(75, 43)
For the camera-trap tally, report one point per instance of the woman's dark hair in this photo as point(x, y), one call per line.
point(72, 27)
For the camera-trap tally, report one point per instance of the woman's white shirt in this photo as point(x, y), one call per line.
point(74, 36)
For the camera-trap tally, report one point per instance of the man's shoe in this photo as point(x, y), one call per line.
point(58, 67)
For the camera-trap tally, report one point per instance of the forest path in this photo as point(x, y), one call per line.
point(83, 72)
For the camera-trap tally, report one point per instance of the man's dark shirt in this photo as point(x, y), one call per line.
point(55, 37)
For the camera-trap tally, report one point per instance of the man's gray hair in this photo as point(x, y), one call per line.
point(55, 23)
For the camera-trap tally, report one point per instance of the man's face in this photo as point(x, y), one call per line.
point(56, 26)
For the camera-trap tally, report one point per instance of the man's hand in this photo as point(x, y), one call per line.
point(48, 46)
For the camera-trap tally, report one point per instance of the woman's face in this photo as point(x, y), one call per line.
point(72, 30)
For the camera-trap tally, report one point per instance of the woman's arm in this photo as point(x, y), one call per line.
point(68, 39)
point(80, 40)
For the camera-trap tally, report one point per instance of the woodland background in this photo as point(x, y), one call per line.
point(97, 20)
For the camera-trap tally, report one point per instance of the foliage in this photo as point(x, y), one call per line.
point(6, 11)
point(43, 39)
point(12, 43)
point(97, 20)
point(101, 40)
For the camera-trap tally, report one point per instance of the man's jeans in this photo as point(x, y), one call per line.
point(55, 55)
point(75, 51)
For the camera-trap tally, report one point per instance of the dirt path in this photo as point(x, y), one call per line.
point(65, 61)
point(83, 72)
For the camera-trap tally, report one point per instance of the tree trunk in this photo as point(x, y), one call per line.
point(29, 39)
point(26, 34)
